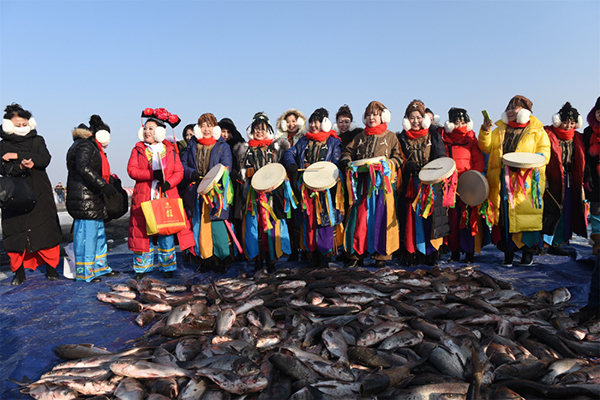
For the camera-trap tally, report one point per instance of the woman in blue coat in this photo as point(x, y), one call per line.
point(319, 229)
point(213, 232)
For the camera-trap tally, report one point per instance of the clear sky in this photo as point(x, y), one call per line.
point(67, 60)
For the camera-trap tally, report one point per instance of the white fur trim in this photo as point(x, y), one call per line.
point(406, 124)
point(325, 125)
point(300, 122)
point(386, 116)
point(470, 125)
point(448, 126)
point(197, 132)
point(579, 122)
point(556, 121)
point(103, 137)
point(283, 126)
point(32, 123)
point(505, 117)
point(249, 132)
point(335, 128)
point(216, 132)
point(426, 122)
point(269, 135)
point(523, 116)
point(352, 126)
point(140, 134)
point(159, 134)
point(8, 126)
point(276, 145)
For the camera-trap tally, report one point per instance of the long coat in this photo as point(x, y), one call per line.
point(139, 169)
point(555, 192)
point(221, 153)
point(38, 229)
point(85, 182)
point(524, 216)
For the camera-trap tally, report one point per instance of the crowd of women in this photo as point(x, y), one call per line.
point(374, 203)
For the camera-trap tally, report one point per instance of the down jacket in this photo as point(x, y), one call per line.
point(140, 170)
point(296, 154)
point(555, 192)
point(464, 151)
point(524, 216)
point(85, 182)
point(38, 229)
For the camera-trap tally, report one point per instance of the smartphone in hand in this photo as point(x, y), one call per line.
point(486, 116)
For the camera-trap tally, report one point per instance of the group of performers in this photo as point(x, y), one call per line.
point(317, 190)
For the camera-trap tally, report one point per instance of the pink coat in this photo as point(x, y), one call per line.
point(140, 170)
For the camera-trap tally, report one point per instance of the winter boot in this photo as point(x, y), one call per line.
point(51, 273)
point(455, 255)
point(509, 256)
point(19, 276)
point(315, 261)
point(527, 257)
point(470, 257)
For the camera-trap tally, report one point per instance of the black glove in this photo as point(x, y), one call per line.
point(109, 190)
point(195, 176)
point(236, 176)
point(343, 164)
point(165, 186)
point(292, 169)
point(158, 175)
point(411, 167)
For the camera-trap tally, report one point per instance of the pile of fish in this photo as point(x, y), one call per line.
point(337, 334)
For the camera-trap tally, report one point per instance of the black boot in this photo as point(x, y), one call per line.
point(508, 259)
point(556, 250)
point(168, 274)
point(51, 273)
point(140, 275)
point(324, 263)
point(270, 266)
point(293, 256)
point(455, 255)
point(527, 257)
point(19, 276)
point(315, 261)
point(431, 259)
point(470, 257)
point(258, 264)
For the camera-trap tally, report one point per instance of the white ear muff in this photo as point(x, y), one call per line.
point(579, 122)
point(406, 124)
point(448, 126)
point(8, 126)
point(325, 125)
point(335, 128)
point(103, 137)
point(426, 122)
point(505, 117)
point(365, 120)
point(32, 123)
point(523, 116)
point(269, 135)
point(141, 133)
point(470, 125)
point(216, 132)
point(436, 119)
point(197, 132)
point(556, 121)
point(352, 126)
point(386, 116)
point(160, 133)
point(249, 132)
point(300, 122)
point(283, 125)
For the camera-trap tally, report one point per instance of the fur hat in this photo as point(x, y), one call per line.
point(416, 105)
point(211, 120)
point(260, 118)
point(300, 120)
point(567, 112)
point(321, 115)
point(520, 101)
point(161, 117)
point(457, 114)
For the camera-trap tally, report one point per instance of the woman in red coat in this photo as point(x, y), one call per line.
point(155, 167)
point(461, 145)
point(563, 199)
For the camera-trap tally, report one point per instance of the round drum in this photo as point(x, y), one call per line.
point(268, 178)
point(437, 170)
point(524, 160)
point(321, 175)
point(472, 188)
point(367, 161)
point(211, 178)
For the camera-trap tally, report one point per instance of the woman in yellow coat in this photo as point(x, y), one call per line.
point(516, 207)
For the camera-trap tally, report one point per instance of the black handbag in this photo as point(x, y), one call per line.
point(16, 195)
point(117, 205)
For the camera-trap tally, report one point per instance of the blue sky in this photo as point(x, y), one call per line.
point(66, 60)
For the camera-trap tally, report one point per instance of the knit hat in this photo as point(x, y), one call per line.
point(567, 112)
point(258, 119)
point(100, 130)
point(161, 117)
point(416, 105)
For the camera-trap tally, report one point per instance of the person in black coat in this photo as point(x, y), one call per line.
point(87, 185)
point(30, 239)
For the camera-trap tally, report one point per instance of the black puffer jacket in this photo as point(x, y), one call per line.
point(85, 182)
point(38, 229)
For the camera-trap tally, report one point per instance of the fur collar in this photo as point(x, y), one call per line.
point(80, 133)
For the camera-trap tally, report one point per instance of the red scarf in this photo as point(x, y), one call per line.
point(321, 136)
point(207, 142)
point(417, 134)
point(514, 124)
point(105, 164)
point(457, 134)
point(260, 143)
point(595, 142)
point(564, 134)
point(376, 130)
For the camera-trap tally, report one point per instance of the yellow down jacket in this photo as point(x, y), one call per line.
point(524, 216)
